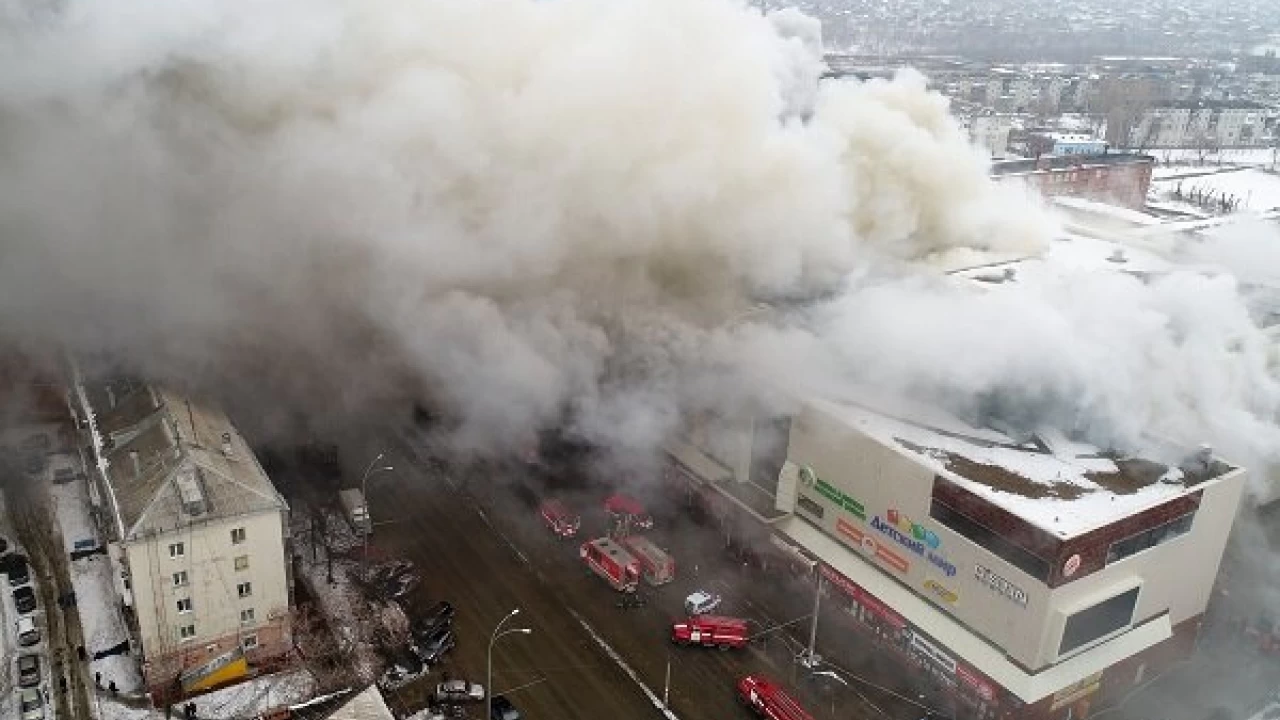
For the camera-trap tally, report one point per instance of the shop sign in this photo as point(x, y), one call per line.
point(933, 653)
point(1076, 691)
point(941, 591)
point(843, 500)
point(916, 538)
point(869, 546)
point(863, 598)
point(970, 678)
point(1000, 585)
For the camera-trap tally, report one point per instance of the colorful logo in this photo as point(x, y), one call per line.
point(904, 525)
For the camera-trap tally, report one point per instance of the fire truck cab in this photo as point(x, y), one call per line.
point(611, 561)
point(769, 700)
point(711, 631)
point(560, 519)
point(625, 505)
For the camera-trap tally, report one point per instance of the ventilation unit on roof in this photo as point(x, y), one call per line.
point(190, 492)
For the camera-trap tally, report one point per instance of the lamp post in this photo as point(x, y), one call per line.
point(364, 498)
point(488, 659)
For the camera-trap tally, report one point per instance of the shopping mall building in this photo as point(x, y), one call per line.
point(1023, 576)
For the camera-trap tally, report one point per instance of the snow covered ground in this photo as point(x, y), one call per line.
point(1255, 190)
point(1230, 156)
point(96, 598)
point(252, 697)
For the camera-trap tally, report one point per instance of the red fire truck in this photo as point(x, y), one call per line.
point(625, 505)
point(612, 562)
point(560, 519)
point(711, 631)
point(769, 700)
point(656, 566)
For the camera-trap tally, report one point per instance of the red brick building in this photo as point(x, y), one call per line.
point(1115, 178)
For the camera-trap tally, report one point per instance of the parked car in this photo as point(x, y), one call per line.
point(28, 670)
point(24, 598)
point(432, 649)
point(4, 544)
point(18, 571)
point(701, 602)
point(456, 691)
point(31, 704)
point(440, 617)
point(28, 633)
point(502, 709)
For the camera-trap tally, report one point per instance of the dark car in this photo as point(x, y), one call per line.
point(502, 709)
point(28, 670)
point(19, 574)
point(24, 598)
point(440, 617)
point(432, 649)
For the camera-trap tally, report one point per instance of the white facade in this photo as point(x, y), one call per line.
point(1191, 127)
point(987, 130)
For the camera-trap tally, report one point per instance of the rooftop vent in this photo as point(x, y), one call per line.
point(190, 492)
point(1118, 256)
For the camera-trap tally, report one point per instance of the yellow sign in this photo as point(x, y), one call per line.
point(218, 671)
point(941, 592)
point(1076, 691)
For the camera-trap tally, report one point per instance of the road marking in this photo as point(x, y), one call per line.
point(617, 659)
point(485, 517)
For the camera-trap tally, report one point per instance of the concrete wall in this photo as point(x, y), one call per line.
point(862, 487)
point(209, 561)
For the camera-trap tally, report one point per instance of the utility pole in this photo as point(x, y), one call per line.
point(666, 684)
point(810, 656)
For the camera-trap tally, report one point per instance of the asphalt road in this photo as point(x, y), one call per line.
point(482, 547)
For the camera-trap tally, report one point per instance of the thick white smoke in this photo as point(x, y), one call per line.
point(510, 207)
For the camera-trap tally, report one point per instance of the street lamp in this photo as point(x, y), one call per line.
point(364, 498)
point(488, 673)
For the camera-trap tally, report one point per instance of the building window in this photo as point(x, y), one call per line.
point(242, 563)
point(246, 616)
point(1098, 621)
point(808, 505)
point(250, 642)
point(237, 536)
point(180, 578)
point(245, 589)
point(177, 550)
point(184, 605)
point(1148, 539)
point(186, 632)
point(990, 540)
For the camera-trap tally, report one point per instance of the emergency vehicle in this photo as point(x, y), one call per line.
point(769, 700)
point(625, 505)
point(560, 519)
point(711, 631)
point(656, 566)
point(612, 562)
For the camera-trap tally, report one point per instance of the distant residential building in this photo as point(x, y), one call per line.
point(1117, 178)
point(987, 129)
point(1196, 124)
point(198, 533)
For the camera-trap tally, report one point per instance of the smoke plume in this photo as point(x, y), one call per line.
point(513, 209)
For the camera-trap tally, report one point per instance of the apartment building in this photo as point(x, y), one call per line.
point(1197, 124)
point(198, 534)
point(986, 128)
point(1021, 576)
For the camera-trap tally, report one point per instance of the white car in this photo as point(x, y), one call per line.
point(454, 691)
point(32, 704)
point(701, 602)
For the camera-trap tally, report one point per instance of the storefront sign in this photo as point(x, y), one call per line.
point(869, 546)
point(940, 591)
point(1076, 691)
point(843, 500)
point(916, 538)
point(863, 598)
point(934, 653)
point(1000, 585)
point(973, 680)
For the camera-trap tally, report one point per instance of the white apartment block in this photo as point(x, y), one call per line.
point(199, 534)
point(1200, 124)
point(987, 129)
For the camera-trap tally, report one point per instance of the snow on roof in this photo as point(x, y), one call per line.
point(1062, 486)
point(1069, 253)
point(1254, 189)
